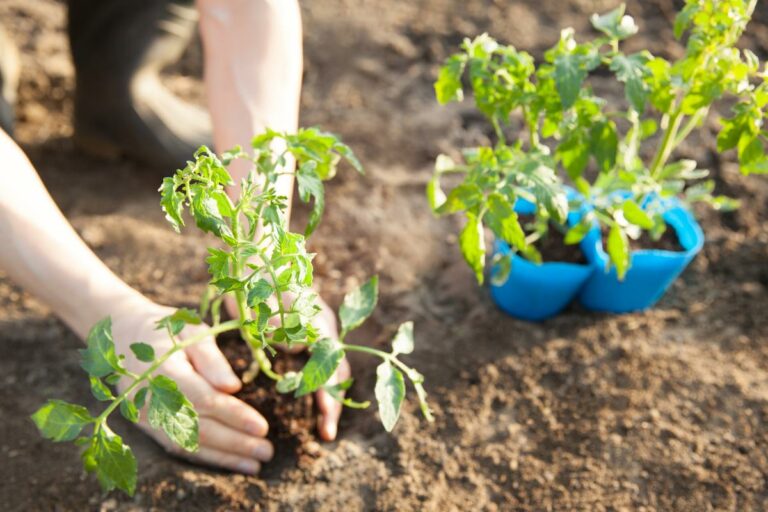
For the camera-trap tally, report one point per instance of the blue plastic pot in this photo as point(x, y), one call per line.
point(651, 271)
point(533, 291)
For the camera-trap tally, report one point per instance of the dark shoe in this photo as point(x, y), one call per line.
point(9, 81)
point(119, 48)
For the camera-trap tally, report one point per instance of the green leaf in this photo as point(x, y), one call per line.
point(574, 153)
point(569, 75)
point(615, 24)
point(402, 343)
point(129, 411)
point(310, 186)
point(618, 250)
point(218, 263)
point(209, 208)
point(326, 357)
point(170, 410)
point(604, 144)
point(632, 71)
point(290, 382)
point(503, 221)
point(258, 292)
point(143, 352)
point(463, 197)
point(448, 85)
point(100, 359)
point(358, 305)
point(435, 194)
point(100, 391)
point(61, 421)
point(389, 391)
point(472, 245)
point(141, 397)
point(176, 321)
point(577, 233)
point(172, 203)
point(501, 267)
point(636, 215)
point(112, 461)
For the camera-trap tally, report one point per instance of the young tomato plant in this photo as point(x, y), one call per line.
point(266, 269)
point(606, 151)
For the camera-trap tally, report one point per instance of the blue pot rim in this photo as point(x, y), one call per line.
point(678, 217)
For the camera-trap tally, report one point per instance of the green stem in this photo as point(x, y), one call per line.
point(690, 125)
point(667, 143)
point(380, 353)
point(497, 129)
point(213, 331)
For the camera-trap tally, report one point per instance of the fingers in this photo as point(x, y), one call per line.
point(330, 409)
point(213, 404)
point(231, 461)
point(226, 439)
point(209, 362)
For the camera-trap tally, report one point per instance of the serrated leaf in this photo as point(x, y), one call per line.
point(503, 221)
point(258, 292)
point(170, 410)
point(632, 71)
point(358, 305)
point(112, 461)
point(129, 411)
point(448, 85)
point(574, 153)
point(618, 250)
point(402, 343)
point(472, 245)
point(463, 197)
point(435, 195)
point(100, 391)
point(604, 144)
point(636, 215)
point(178, 319)
point(326, 357)
point(172, 203)
point(569, 75)
point(218, 263)
point(389, 391)
point(310, 186)
point(61, 421)
point(141, 397)
point(143, 352)
point(100, 359)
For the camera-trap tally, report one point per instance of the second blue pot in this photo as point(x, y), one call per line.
point(651, 271)
point(538, 291)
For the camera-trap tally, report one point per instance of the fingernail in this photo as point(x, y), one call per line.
point(263, 452)
point(250, 467)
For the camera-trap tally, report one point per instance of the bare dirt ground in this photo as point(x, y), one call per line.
point(663, 410)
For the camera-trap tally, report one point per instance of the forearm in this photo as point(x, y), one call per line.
point(253, 66)
point(41, 252)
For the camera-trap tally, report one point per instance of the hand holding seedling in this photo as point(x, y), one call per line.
point(567, 127)
point(266, 271)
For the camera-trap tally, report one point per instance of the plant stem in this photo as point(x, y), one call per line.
point(213, 331)
point(380, 353)
point(497, 129)
point(690, 125)
point(667, 143)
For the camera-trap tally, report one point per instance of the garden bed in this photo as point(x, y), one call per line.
point(666, 409)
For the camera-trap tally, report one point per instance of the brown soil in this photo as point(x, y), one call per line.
point(553, 248)
point(667, 242)
point(662, 410)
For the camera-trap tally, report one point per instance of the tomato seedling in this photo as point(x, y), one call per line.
point(607, 151)
point(267, 270)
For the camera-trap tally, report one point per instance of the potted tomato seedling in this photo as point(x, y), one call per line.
point(625, 203)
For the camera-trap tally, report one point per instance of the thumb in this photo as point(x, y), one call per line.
point(209, 362)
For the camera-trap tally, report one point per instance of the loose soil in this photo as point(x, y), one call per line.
point(662, 410)
point(553, 248)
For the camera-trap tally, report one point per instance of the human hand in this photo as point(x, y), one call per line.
point(330, 409)
point(231, 433)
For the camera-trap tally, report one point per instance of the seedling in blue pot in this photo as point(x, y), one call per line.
point(619, 155)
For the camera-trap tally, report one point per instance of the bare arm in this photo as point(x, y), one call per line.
point(40, 251)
